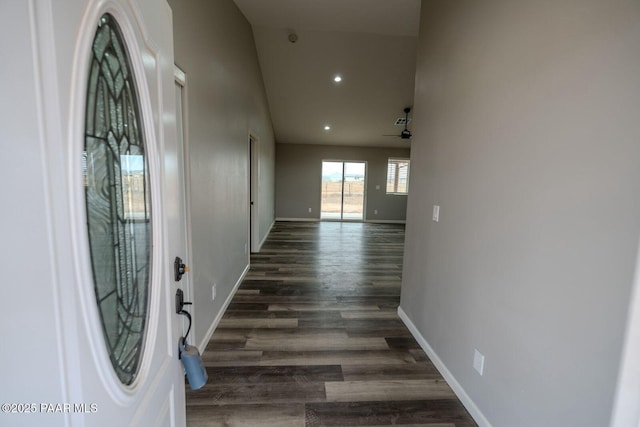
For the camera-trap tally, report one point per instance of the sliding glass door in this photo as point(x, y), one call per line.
point(343, 189)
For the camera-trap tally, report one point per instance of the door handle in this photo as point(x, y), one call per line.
point(180, 302)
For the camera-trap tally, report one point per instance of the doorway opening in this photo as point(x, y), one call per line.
point(343, 190)
point(254, 173)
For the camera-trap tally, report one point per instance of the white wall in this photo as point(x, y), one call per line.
point(526, 134)
point(226, 100)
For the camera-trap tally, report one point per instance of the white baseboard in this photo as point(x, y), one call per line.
point(374, 221)
point(473, 409)
point(216, 321)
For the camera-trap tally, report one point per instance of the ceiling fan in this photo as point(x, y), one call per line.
point(406, 133)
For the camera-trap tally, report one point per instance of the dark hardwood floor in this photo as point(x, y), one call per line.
point(312, 338)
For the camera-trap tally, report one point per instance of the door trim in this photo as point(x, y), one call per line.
point(180, 78)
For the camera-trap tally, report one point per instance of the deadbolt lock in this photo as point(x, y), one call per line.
point(179, 269)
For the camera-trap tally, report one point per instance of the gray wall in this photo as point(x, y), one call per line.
point(299, 177)
point(526, 134)
point(226, 100)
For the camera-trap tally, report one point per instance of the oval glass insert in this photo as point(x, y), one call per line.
point(116, 182)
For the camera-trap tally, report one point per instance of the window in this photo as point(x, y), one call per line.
point(116, 179)
point(398, 176)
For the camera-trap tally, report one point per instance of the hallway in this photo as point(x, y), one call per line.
point(312, 338)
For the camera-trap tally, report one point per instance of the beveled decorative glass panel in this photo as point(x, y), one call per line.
point(116, 181)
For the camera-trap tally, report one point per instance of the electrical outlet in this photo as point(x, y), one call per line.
point(309, 210)
point(375, 211)
point(213, 292)
point(478, 362)
point(436, 213)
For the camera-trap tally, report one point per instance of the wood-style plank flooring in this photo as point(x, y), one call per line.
point(312, 338)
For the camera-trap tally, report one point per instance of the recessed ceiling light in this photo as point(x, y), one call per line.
point(327, 127)
point(337, 79)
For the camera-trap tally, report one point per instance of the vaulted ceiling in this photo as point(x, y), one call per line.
point(303, 44)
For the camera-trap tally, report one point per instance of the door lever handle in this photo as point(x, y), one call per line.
point(180, 302)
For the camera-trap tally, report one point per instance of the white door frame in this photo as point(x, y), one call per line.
point(182, 120)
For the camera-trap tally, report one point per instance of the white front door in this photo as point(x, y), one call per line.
point(115, 211)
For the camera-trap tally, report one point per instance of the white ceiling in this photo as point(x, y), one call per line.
point(370, 43)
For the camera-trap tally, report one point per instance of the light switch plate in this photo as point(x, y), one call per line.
point(478, 362)
point(436, 213)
